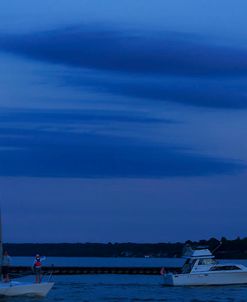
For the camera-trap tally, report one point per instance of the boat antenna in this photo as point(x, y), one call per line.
point(217, 247)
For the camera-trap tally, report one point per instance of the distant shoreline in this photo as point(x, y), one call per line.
point(230, 249)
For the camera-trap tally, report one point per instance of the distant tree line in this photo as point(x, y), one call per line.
point(228, 249)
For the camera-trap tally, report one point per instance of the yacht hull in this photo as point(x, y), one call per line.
point(19, 289)
point(200, 279)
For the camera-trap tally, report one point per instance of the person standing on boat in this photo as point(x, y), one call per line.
point(5, 266)
point(37, 267)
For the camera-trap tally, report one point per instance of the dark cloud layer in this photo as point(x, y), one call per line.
point(65, 117)
point(163, 53)
point(194, 92)
point(174, 67)
point(34, 151)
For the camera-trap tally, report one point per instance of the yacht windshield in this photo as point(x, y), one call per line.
point(188, 265)
point(207, 262)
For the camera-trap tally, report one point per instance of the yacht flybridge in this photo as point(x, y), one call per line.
point(200, 268)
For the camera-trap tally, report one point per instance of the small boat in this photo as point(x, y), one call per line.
point(200, 268)
point(14, 288)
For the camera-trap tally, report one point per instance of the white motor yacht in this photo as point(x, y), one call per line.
point(200, 268)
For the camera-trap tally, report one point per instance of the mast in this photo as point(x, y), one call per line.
point(1, 243)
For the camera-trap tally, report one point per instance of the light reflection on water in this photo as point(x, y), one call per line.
point(109, 261)
point(99, 262)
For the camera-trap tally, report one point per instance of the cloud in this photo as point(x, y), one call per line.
point(199, 95)
point(187, 91)
point(34, 151)
point(163, 53)
point(65, 117)
point(165, 66)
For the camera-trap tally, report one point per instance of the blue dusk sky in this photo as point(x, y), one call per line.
point(123, 121)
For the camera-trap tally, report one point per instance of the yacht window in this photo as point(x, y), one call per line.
point(206, 262)
point(225, 268)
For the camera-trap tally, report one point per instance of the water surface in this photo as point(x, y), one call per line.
point(126, 287)
point(133, 288)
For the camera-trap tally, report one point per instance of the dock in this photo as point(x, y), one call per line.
point(79, 270)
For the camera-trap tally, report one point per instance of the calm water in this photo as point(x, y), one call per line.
point(128, 287)
point(94, 261)
point(132, 288)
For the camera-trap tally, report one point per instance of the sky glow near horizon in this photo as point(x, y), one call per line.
point(122, 121)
